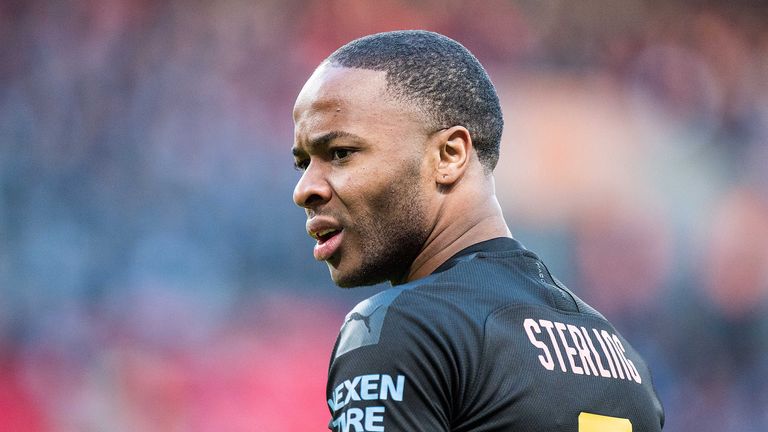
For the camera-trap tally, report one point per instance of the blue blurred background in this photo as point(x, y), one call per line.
point(155, 274)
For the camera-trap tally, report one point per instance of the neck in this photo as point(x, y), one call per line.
point(479, 219)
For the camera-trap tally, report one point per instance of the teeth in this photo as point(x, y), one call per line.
point(323, 232)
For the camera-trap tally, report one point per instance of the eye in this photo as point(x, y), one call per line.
point(340, 153)
point(301, 164)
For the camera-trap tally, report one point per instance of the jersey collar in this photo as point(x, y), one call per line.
point(499, 244)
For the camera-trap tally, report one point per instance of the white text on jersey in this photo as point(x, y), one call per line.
point(370, 387)
point(576, 352)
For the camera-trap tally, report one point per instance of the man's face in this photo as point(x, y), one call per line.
point(363, 188)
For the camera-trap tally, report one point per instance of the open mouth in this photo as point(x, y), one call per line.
point(328, 243)
point(325, 235)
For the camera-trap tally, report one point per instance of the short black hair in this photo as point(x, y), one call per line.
point(440, 75)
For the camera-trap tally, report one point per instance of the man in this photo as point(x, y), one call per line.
point(397, 135)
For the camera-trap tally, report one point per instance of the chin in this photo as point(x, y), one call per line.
point(352, 279)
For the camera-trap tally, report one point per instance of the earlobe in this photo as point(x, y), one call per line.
point(455, 146)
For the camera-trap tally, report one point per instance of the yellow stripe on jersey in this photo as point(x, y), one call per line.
point(599, 423)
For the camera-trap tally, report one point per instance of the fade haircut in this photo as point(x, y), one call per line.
point(446, 82)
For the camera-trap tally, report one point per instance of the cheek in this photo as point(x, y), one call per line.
point(358, 189)
point(372, 195)
point(344, 186)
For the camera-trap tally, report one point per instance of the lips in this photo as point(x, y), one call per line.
point(328, 234)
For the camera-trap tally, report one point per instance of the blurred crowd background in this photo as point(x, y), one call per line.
point(155, 274)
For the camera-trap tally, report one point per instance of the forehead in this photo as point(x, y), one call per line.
point(350, 100)
point(333, 85)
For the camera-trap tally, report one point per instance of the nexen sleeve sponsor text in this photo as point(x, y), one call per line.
point(364, 388)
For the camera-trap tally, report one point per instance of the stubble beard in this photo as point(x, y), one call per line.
point(392, 235)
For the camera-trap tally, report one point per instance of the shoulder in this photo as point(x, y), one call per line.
point(421, 310)
point(364, 323)
point(388, 358)
point(453, 303)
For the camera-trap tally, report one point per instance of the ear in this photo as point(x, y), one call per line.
point(454, 147)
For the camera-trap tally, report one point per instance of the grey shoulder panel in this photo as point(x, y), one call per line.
point(362, 326)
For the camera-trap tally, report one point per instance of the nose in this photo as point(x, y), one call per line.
point(313, 189)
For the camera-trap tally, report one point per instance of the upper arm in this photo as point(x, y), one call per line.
point(388, 373)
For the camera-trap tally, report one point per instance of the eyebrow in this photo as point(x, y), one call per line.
point(323, 141)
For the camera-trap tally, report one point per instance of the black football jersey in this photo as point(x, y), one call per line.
point(489, 342)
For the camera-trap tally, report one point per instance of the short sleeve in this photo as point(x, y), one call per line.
point(388, 371)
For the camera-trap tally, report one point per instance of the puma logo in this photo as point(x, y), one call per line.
point(366, 319)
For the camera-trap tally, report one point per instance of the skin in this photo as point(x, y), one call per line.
point(407, 197)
